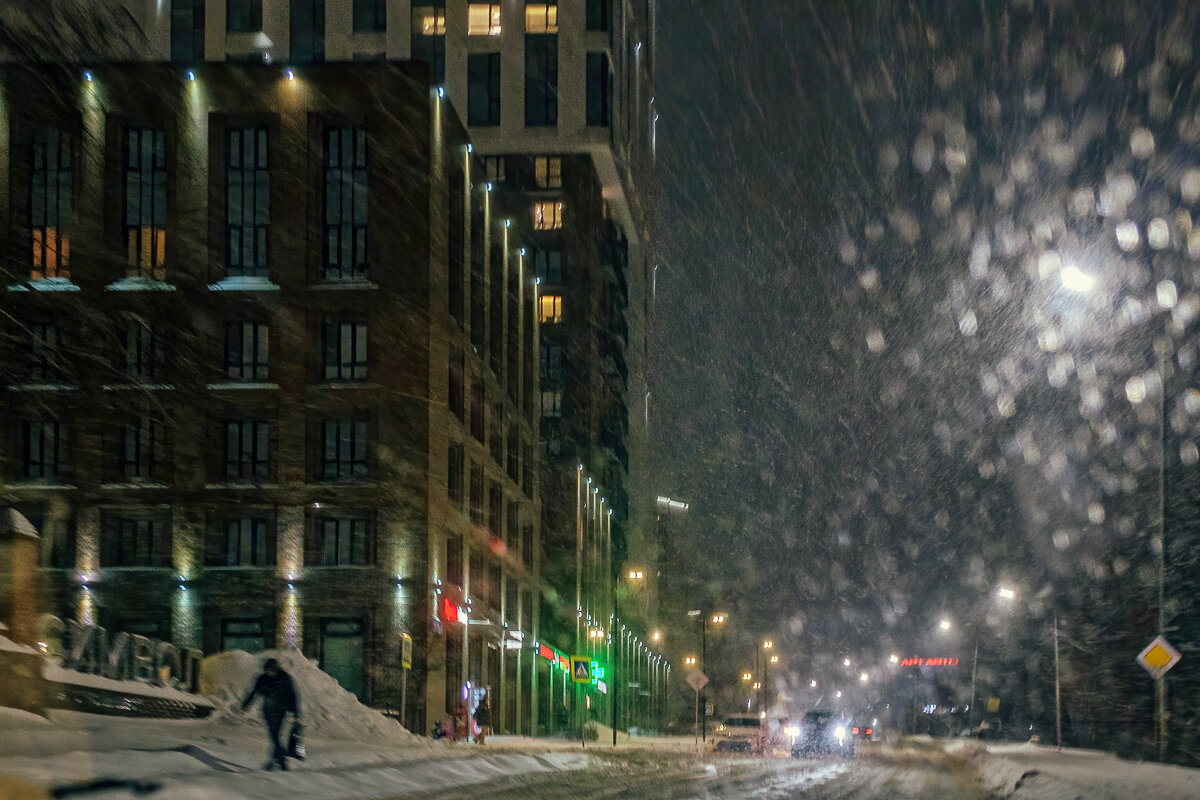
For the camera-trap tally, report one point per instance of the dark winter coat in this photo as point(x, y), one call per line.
point(278, 694)
point(483, 715)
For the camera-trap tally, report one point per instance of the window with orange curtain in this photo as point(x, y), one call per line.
point(145, 203)
point(50, 204)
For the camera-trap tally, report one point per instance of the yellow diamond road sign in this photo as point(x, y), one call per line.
point(1158, 657)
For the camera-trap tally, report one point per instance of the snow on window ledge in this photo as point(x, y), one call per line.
point(139, 285)
point(243, 485)
point(244, 283)
point(39, 483)
point(342, 285)
point(42, 387)
point(45, 285)
point(135, 485)
point(242, 385)
point(115, 387)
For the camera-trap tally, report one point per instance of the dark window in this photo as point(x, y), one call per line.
point(44, 358)
point(599, 90)
point(457, 399)
point(307, 20)
point(246, 350)
point(551, 370)
point(243, 16)
point(345, 345)
point(454, 560)
point(478, 411)
point(247, 448)
point(494, 168)
point(50, 203)
point(483, 89)
point(370, 15)
point(345, 444)
point(341, 540)
point(510, 601)
point(496, 306)
point(514, 452)
point(552, 404)
point(145, 202)
point(429, 38)
point(527, 471)
point(478, 259)
point(142, 349)
point(248, 542)
point(134, 541)
point(140, 448)
point(456, 248)
point(345, 204)
point(454, 474)
point(187, 31)
point(495, 509)
point(247, 203)
point(477, 494)
point(41, 449)
point(491, 589)
point(548, 265)
point(496, 441)
point(598, 13)
point(512, 527)
point(243, 634)
point(541, 79)
point(527, 544)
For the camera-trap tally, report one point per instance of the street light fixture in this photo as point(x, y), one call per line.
point(746, 676)
point(689, 661)
point(944, 624)
point(774, 659)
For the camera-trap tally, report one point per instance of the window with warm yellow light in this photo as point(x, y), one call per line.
point(547, 215)
point(429, 21)
point(541, 18)
point(50, 203)
point(145, 203)
point(483, 19)
point(547, 172)
point(551, 307)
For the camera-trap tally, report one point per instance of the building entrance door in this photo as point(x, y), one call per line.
point(342, 653)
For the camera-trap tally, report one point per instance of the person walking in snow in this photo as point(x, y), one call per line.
point(483, 718)
point(279, 698)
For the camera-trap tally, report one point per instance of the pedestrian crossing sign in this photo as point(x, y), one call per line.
point(581, 669)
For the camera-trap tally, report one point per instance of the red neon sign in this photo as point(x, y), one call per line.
point(929, 662)
point(546, 653)
point(450, 611)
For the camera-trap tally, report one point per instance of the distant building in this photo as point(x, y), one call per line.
point(236, 361)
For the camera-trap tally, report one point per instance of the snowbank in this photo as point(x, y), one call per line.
point(326, 708)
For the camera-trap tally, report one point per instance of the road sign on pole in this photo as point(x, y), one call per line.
point(581, 669)
point(1158, 657)
point(697, 679)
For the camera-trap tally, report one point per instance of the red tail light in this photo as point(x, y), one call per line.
point(868, 731)
point(854, 730)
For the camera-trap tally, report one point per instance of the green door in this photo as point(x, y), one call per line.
point(342, 653)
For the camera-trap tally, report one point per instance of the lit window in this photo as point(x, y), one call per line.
point(50, 203)
point(541, 18)
point(429, 20)
point(547, 216)
point(547, 172)
point(551, 308)
point(145, 202)
point(483, 19)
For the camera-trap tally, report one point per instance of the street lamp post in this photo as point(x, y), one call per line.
point(717, 619)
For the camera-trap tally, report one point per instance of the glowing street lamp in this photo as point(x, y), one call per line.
point(746, 676)
point(774, 659)
point(944, 624)
point(689, 661)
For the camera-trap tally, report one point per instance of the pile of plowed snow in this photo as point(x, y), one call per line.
point(326, 708)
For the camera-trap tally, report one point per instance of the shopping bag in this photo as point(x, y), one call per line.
point(295, 746)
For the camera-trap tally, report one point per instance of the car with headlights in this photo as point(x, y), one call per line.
point(742, 733)
point(824, 733)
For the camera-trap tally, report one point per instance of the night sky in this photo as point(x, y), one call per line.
point(879, 385)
